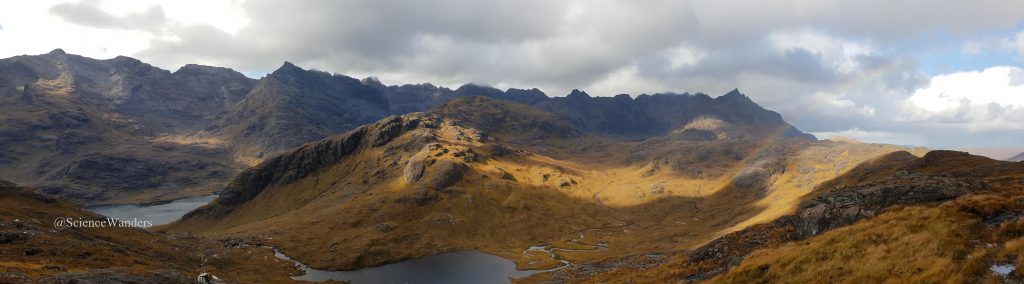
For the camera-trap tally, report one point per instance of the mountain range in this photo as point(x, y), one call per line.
point(342, 173)
point(123, 131)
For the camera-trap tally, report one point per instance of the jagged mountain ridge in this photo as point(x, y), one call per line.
point(69, 121)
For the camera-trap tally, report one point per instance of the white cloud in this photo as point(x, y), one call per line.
point(986, 99)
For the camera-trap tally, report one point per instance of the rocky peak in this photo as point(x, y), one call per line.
point(577, 94)
point(287, 69)
point(733, 96)
point(372, 81)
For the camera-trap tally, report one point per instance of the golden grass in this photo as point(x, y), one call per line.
point(705, 123)
point(915, 244)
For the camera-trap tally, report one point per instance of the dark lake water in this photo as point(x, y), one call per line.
point(449, 268)
point(159, 214)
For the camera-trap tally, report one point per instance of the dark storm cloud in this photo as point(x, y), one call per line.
point(87, 14)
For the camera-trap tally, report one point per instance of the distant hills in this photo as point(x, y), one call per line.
point(1016, 158)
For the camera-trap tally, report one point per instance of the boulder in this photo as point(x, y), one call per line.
point(446, 173)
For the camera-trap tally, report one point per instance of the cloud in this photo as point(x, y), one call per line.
point(86, 13)
point(827, 66)
point(992, 98)
point(1019, 44)
point(1013, 44)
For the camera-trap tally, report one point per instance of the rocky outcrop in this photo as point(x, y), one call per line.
point(845, 206)
point(445, 173)
point(840, 207)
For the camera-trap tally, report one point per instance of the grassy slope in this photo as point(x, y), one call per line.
point(947, 243)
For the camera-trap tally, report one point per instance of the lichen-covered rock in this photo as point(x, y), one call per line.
point(413, 170)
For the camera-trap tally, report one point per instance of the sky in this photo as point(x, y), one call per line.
point(934, 73)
